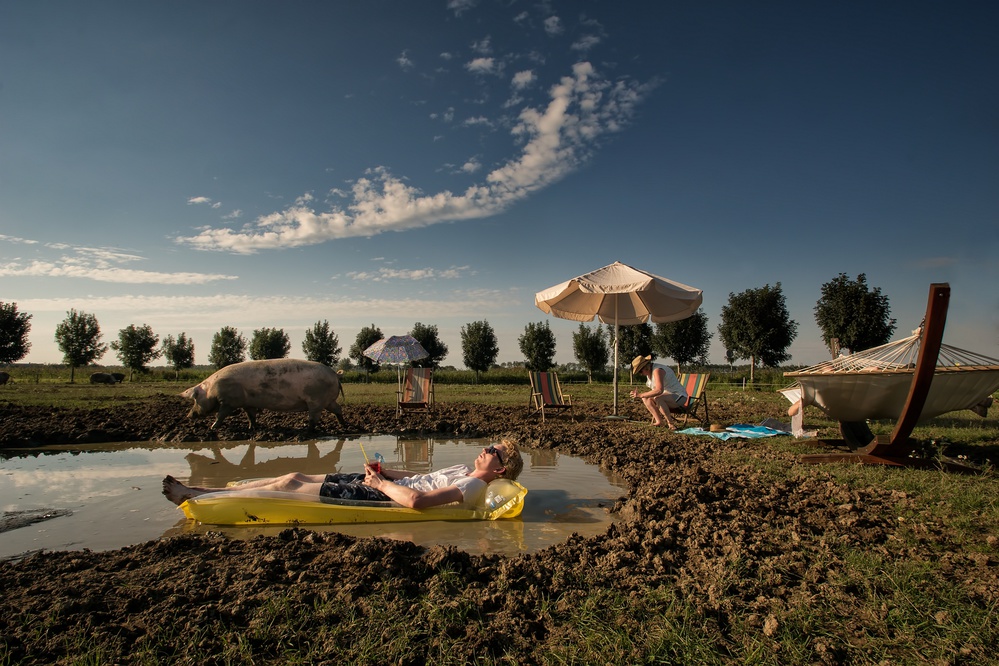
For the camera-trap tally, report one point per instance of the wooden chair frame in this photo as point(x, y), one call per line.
point(697, 399)
point(417, 392)
point(546, 394)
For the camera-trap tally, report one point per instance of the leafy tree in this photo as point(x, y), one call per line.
point(367, 336)
point(136, 347)
point(427, 337)
point(269, 343)
point(228, 347)
point(537, 344)
point(79, 340)
point(685, 341)
point(479, 347)
point(590, 347)
point(178, 352)
point(756, 326)
point(858, 317)
point(321, 344)
point(14, 329)
point(633, 341)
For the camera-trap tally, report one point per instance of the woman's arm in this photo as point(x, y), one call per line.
point(658, 385)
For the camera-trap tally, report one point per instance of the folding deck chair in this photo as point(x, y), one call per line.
point(546, 394)
point(418, 391)
point(697, 399)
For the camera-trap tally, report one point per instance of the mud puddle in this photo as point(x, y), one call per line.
point(107, 496)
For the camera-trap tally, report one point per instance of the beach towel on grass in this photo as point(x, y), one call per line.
point(737, 430)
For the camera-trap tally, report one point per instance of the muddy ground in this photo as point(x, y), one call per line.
point(689, 515)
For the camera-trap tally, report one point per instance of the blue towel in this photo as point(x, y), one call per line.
point(737, 430)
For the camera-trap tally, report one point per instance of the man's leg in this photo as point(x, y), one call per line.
point(178, 493)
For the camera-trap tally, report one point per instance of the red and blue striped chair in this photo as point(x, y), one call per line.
point(546, 394)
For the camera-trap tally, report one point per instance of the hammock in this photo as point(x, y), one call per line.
point(874, 384)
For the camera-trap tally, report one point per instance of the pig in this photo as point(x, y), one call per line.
point(4, 378)
point(101, 378)
point(281, 385)
point(118, 377)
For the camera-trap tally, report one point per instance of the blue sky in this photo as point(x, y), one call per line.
point(192, 165)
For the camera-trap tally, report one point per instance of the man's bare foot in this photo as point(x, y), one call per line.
point(177, 492)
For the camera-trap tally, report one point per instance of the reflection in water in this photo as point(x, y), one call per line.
point(113, 491)
point(217, 470)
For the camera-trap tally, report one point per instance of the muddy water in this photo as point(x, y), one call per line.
point(108, 496)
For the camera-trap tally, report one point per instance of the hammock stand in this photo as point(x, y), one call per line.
point(895, 449)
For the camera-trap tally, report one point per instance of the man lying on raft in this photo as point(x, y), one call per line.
point(458, 483)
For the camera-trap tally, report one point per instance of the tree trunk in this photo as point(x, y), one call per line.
point(752, 369)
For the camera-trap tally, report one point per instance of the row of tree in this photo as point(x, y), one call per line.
point(755, 326)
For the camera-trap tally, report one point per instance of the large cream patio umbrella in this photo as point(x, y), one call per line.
point(619, 294)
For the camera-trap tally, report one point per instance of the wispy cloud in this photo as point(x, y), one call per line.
point(404, 60)
point(554, 140)
point(390, 274)
point(101, 265)
point(197, 201)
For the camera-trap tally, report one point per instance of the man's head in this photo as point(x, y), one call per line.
point(513, 463)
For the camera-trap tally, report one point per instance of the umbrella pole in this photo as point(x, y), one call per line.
point(614, 415)
point(615, 362)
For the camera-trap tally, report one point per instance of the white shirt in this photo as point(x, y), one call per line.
point(472, 488)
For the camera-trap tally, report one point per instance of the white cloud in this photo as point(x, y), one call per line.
point(523, 79)
point(555, 140)
point(404, 60)
point(553, 26)
point(471, 166)
point(482, 66)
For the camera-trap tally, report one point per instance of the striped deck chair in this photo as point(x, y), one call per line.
point(546, 394)
point(697, 399)
point(417, 392)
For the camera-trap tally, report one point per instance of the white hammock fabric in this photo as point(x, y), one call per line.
point(875, 383)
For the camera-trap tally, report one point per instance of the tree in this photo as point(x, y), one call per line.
point(136, 347)
point(632, 341)
point(479, 347)
point(269, 343)
point(367, 336)
point(14, 329)
point(857, 317)
point(685, 341)
point(321, 344)
point(179, 353)
point(756, 326)
point(590, 347)
point(427, 337)
point(228, 347)
point(537, 344)
point(79, 340)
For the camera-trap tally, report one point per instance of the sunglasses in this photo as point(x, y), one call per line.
point(496, 452)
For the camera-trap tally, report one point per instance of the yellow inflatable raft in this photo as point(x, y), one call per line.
point(503, 499)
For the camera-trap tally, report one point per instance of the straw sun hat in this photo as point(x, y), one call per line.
point(639, 363)
point(717, 427)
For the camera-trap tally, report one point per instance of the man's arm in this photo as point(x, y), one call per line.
point(410, 497)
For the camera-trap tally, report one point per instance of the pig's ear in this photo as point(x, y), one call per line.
point(191, 392)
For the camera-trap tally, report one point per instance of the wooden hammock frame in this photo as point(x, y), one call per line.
point(894, 449)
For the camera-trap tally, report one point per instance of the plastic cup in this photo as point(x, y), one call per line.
point(375, 466)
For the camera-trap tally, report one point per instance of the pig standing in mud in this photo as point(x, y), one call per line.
point(281, 385)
